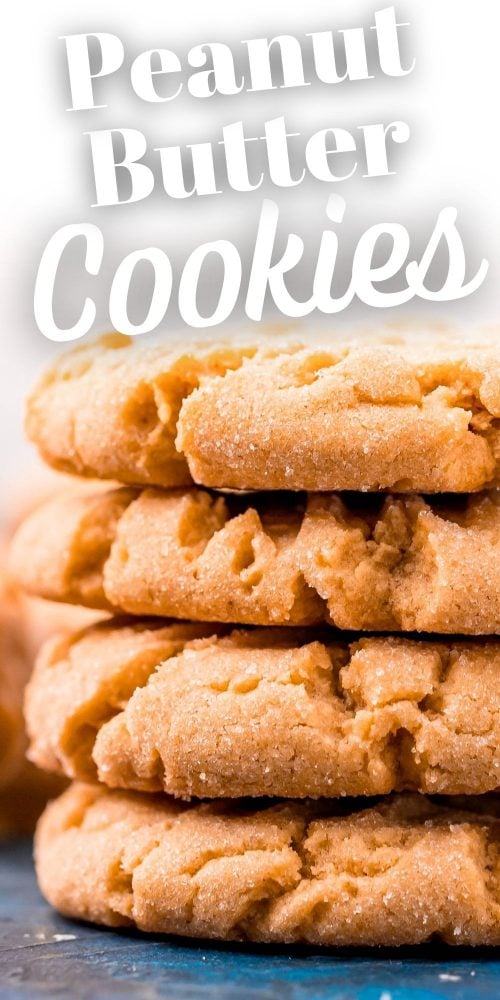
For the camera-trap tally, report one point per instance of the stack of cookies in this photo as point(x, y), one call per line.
point(290, 729)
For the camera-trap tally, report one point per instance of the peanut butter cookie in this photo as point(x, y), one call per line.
point(400, 563)
point(156, 707)
point(421, 414)
point(398, 873)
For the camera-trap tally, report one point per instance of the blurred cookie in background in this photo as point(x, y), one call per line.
point(15, 668)
point(25, 623)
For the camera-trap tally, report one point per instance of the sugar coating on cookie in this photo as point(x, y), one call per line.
point(110, 409)
point(276, 712)
point(421, 414)
point(401, 563)
point(399, 873)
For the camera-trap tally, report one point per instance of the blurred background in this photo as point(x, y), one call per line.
point(451, 158)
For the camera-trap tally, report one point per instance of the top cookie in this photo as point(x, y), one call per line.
point(421, 414)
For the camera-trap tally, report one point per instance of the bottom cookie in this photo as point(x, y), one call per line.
point(398, 873)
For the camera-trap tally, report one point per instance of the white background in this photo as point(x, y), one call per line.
point(452, 158)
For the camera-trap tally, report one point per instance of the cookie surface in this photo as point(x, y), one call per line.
point(402, 872)
point(418, 415)
point(110, 409)
point(273, 712)
point(395, 563)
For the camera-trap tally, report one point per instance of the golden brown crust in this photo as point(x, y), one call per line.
point(394, 563)
point(266, 712)
point(61, 548)
point(422, 414)
point(398, 873)
point(110, 409)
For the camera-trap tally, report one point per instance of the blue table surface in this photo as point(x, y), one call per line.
point(44, 955)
